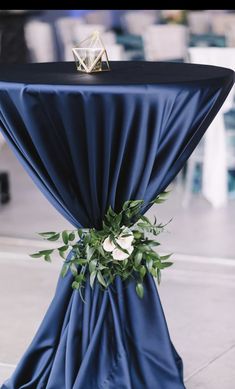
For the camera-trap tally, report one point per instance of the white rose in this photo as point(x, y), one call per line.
point(120, 255)
point(130, 249)
point(125, 241)
point(108, 245)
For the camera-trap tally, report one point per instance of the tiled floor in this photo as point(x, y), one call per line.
point(197, 293)
point(197, 298)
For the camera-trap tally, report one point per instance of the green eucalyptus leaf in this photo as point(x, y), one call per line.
point(165, 257)
point(143, 225)
point(54, 237)
point(137, 234)
point(155, 256)
point(46, 252)
point(140, 289)
point(126, 205)
point(47, 258)
point(80, 232)
point(154, 272)
point(92, 278)
point(166, 264)
point(47, 234)
point(118, 219)
point(136, 203)
point(65, 237)
point(89, 251)
point(143, 248)
point(76, 285)
point(152, 243)
point(73, 269)
point(63, 248)
point(149, 264)
point(138, 258)
point(64, 270)
point(159, 201)
point(101, 251)
point(71, 236)
point(165, 193)
point(101, 279)
point(79, 277)
point(36, 255)
point(102, 267)
point(142, 271)
point(92, 265)
point(144, 218)
point(81, 261)
point(158, 276)
point(160, 198)
point(63, 254)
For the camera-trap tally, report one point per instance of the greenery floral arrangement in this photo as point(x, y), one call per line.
point(121, 248)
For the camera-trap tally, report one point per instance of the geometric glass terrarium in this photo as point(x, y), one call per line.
point(90, 55)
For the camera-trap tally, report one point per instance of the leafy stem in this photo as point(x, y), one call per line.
point(122, 248)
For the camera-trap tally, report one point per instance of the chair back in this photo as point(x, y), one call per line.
point(221, 22)
point(103, 17)
point(199, 22)
point(65, 28)
point(40, 41)
point(217, 56)
point(115, 52)
point(135, 22)
point(165, 42)
point(65, 32)
point(230, 36)
point(83, 31)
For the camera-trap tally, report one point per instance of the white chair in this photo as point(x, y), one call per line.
point(108, 37)
point(165, 42)
point(199, 22)
point(213, 153)
point(103, 17)
point(115, 52)
point(221, 22)
point(230, 36)
point(40, 41)
point(135, 22)
point(83, 31)
point(65, 28)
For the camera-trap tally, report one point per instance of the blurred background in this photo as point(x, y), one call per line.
point(198, 291)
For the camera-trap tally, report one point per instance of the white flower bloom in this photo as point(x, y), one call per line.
point(130, 249)
point(119, 255)
point(125, 241)
point(108, 245)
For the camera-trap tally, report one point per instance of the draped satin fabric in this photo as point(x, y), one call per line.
point(90, 141)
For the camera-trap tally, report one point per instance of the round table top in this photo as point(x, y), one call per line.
point(121, 73)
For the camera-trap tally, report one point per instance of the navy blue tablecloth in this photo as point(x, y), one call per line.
point(90, 141)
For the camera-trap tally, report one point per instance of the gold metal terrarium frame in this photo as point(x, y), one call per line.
point(90, 55)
